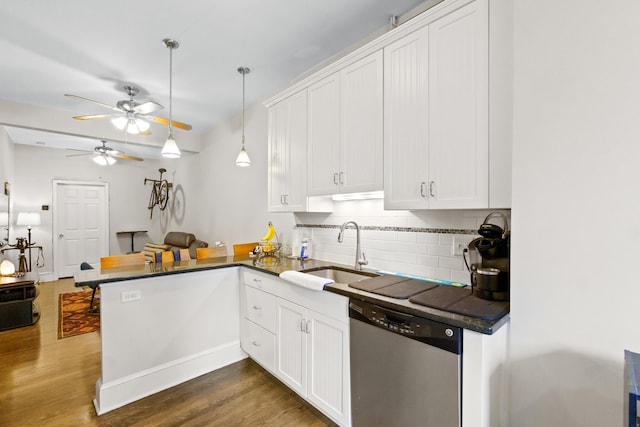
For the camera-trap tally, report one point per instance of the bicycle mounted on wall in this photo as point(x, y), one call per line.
point(159, 192)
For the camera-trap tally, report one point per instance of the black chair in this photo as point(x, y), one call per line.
point(91, 310)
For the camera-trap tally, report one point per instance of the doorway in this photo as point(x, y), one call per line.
point(80, 225)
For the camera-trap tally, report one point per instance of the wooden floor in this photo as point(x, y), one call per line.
point(49, 382)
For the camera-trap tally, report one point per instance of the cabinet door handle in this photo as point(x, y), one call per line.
point(257, 307)
point(256, 343)
point(341, 178)
point(422, 185)
point(307, 326)
point(282, 199)
point(431, 185)
point(335, 178)
point(301, 325)
point(286, 199)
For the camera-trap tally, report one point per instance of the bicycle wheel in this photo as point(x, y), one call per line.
point(163, 196)
point(152, 198)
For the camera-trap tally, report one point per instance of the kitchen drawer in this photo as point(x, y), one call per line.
point(260, 308)
point(261, 281)
point(259, 344)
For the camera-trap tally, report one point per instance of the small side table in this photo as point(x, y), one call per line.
point(133, 232)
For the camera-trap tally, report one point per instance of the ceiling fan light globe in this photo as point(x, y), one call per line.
point(143, 126)
point(100, 159)
point(170, 149)
point(243, 159)
point(120, 122)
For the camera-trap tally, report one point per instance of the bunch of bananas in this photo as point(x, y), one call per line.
point(271, 233)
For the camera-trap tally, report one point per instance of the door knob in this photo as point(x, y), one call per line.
point(61, 235)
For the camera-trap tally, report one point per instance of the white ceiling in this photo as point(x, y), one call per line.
point(92, 49)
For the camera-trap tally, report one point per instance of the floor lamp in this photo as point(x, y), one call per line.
point(29, 219)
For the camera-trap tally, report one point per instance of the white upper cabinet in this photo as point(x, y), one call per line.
point(459, 108)
point(424, 112)
point(436, 114)
point(324, 136)
point(406, 120)
point(345, 129)
point(288, 154)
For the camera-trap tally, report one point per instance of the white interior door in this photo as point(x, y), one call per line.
point(81, 225)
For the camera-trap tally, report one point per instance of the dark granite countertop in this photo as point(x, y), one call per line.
point(92, 277)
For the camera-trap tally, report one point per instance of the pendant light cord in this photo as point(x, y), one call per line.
point(170, 90)
point(243, 75)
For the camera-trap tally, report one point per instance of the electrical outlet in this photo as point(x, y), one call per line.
point(459, 243)
point(128, 296)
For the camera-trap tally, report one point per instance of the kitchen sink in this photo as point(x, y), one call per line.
point(340, 275)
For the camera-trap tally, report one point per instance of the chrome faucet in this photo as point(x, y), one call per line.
point(360, 258)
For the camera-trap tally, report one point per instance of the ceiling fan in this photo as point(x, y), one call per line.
point(129, 114)
point(104, 155)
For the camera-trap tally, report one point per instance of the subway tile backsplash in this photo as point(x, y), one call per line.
point(412, 242)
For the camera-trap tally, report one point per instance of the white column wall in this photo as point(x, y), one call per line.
point(576, 210)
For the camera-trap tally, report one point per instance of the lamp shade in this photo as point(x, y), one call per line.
point(243, 159)
point(28, 218)
point(7, 268)
point(170, 149)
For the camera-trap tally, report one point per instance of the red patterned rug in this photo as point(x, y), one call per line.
point(73, 318)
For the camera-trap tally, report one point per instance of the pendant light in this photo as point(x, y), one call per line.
point(243, 157)
point(170, 149)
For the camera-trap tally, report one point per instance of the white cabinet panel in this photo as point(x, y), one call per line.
point(345, 129)
point(291, 346)
point(287, 154)
point(406, 118)
point(458, 109)
point(324, 136)
point(361, 108)
point(328, 367)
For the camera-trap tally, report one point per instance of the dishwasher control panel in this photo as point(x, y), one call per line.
point(428, 331)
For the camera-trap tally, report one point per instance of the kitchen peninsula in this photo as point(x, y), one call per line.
point(163, 324)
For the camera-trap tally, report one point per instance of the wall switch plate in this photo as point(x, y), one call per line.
point(128, 296)
point(459, 243)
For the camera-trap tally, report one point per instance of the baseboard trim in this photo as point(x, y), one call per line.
point(134, 387)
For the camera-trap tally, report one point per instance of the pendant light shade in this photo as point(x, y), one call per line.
point(243, 159)
point(170, 149)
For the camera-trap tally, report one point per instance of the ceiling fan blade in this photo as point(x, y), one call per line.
point(164, 121)
point(93, 116)
point(110, 107)
point(147, 107)
point(80, 155)
point(124, 156)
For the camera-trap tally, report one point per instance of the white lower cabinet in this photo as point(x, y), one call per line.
point(284, 331)
point(312, 357)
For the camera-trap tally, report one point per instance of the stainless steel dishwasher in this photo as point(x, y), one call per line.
point(405, 370)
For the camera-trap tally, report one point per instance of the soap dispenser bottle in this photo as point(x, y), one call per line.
point(304, 249)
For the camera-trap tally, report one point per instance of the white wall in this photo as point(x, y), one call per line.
point(37, 167)
point(576, 210)
point(231, 202)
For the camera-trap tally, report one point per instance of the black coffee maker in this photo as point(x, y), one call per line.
point(487, 259)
